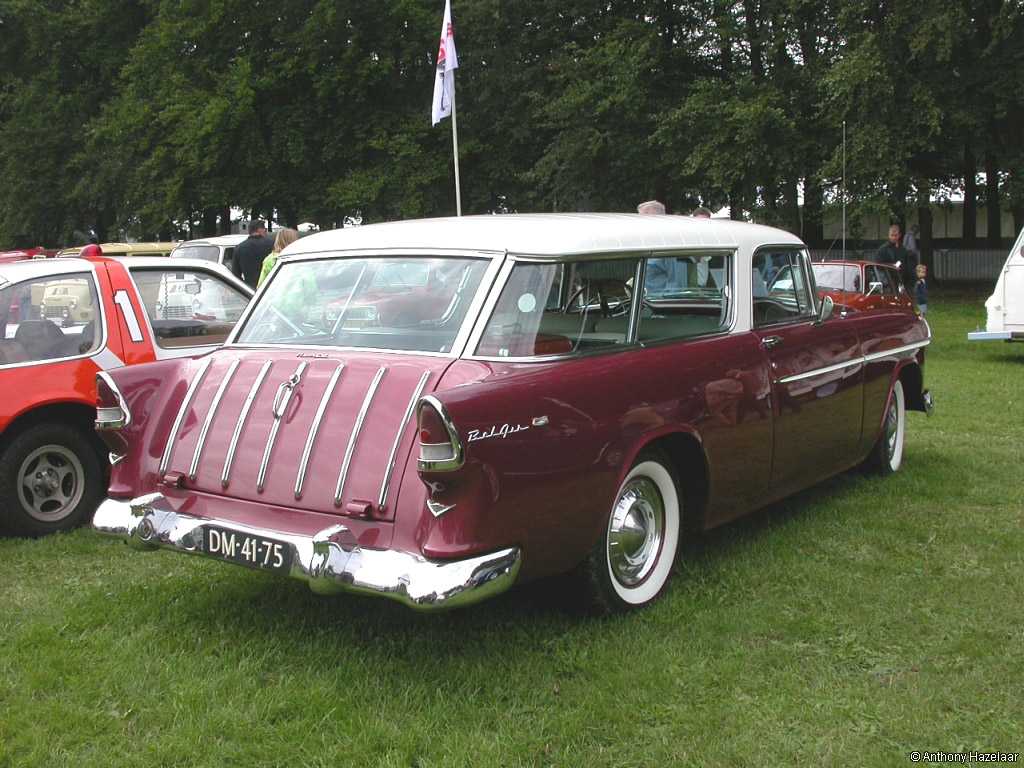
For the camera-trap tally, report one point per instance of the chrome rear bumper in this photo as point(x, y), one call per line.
point(330, 561)
point(996, 336)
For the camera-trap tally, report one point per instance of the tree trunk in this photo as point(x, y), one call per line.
point(924, 220)
point(209, 226)
point(791, 206)
point(735, 206)
point(992, 207)
point(813, 228)
point(225, 220)
point(970, 231)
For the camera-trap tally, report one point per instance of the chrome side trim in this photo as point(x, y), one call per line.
point(329, 561)
point(246, 407)
point(209, 418)
point(897, 351)
point(189, 394)
point(300, 478)
point(389, 467)
point(822, 371)
point(356, 429)
point(856, 361)
point(281, 401)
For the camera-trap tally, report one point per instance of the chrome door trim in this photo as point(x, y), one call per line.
point(281, 401)
point(300, 478)
point(246, 407)
point(209, 418)
point(189, 394)
point(356, 429)
point(821, 371)
point(389, 467)
point(898, 351)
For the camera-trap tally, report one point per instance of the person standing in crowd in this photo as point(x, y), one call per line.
point(663, 275)
point(651, 208)
point(249, 253)
point(893, 252)
point(910, 242)
point(921, 289)
point(284, 238)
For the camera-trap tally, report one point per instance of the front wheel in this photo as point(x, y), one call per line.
point(50, 480)
point(887, 455)
point(633, 560)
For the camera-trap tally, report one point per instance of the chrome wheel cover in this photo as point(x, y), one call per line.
point(636, 530)
point(51, 482)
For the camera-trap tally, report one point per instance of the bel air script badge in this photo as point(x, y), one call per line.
point(503, 431)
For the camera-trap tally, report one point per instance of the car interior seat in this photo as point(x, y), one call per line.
point(40, 339)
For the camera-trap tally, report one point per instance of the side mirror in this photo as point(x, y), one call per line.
point(874, 287)
point(826, 309)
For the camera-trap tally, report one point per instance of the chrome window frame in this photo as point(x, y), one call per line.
point(730, 324)
point(459, 343)
point(104, 335)
point(172, 353)
point(630, 342)
point(805, 261)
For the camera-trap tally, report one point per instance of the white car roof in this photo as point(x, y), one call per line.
point(546, 235)
point(217, 240)
point(35, 268)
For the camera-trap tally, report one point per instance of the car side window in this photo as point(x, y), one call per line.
point(50, 318)
point(685, 296)
point(779, 288)
point(559, 309)
point(888, 279)
point(188, 308)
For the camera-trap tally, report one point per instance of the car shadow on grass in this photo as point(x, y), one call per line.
point(224, 600)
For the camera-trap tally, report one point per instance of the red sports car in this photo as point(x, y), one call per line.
point(63, 321)
point(862, 285)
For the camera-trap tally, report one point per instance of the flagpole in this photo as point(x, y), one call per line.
point(455, 148)
point(844, 190)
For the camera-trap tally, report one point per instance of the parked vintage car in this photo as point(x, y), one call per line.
point(219, 249)
point(126, 249)
point(574, 391)
point(64, 320)
point(1005, 307)
point(861, 285)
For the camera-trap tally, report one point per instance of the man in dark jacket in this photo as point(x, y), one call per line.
point(249, 253)
point(894, 253)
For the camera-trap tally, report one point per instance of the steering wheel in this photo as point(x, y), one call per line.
point(600, 286)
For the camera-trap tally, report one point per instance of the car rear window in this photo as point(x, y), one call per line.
point(204, 252)
point(401, 303)
point(837, 277)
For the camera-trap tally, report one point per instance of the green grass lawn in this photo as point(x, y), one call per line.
point(856, 622)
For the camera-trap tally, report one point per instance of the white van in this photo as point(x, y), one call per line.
point(1006, 304)
point(220, 249)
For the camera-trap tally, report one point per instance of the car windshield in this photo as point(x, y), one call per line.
point(408, 303)
point(837, 277)
point(204, 252)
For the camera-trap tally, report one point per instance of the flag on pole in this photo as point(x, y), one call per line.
point(447, 63)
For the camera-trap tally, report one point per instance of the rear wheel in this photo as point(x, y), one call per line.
point(633, 560)
point(887, 455)
point(50, 480)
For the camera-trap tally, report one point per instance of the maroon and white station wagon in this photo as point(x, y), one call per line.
point(434, 410)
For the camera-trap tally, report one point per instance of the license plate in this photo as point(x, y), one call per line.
point(247, 549)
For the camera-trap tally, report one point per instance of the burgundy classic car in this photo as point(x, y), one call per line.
point(861, 285)
point(571, 392)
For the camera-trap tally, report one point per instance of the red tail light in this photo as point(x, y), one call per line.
point(111, 411)
point(440, 447)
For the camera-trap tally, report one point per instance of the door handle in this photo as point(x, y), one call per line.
point(770, 342)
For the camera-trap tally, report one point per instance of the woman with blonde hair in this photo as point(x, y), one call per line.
point(285, 237)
